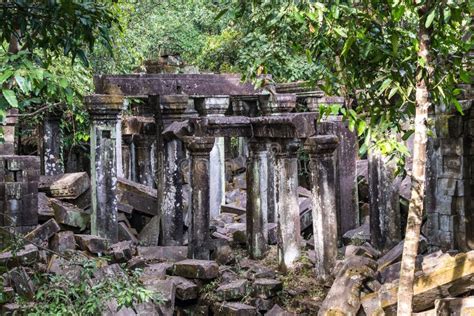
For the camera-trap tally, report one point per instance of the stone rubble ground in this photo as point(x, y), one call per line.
point(365, 280)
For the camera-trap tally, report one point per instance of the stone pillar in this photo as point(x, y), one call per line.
point(321, 150)
point(257, 199)
point(105, 114)
point(8, 145)
point(19, 177)
point(172, 208)
point(384, 187)
point(212, 106)
point(199, 148)
point(126, 156)
point(51, 145)
point(287, 203)
point(143, 159)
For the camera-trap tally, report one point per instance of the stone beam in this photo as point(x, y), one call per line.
point(167, 84)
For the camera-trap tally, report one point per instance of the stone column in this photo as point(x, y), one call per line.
point(257, 199)
point(105, 114)
point(8, 146)
point(51, 147)
point(212, 106)
point(126, 156)
point(287, 203)
point(143, 159)
point(172, 208)
point(384, 187)
point(199, 148)
point(321, 150)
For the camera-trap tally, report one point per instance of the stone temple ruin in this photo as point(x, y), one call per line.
point(160, 172)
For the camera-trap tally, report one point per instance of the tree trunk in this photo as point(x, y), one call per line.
point(415, 210)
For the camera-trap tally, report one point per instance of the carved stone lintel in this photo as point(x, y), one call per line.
point(215, 105)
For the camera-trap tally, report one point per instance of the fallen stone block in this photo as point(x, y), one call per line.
point(278, 311)
point(136, 263)
point(167, 290)
point(16, 309)
point(257, 271)
point(147, 309)
point(364, 250)
point(224, 255)
point(163, 253)
point(63, 241)
point(262, 305)
point(141, 197)
point(357, 235)
point(266, 288)
point(122, 251)
point(65, 186)
point(125, 233)
point(45, 210)
point(67, 269)
point(112, 272)
point(449, 276)
point(21, 282)
point(25, 256)
point(392, 256)
point(455, 306)
point(84, 201)
point(93, 244)
point(232, 209)
point(196, 269)
point(43, 232)
point(233, 309)
point(156, 271)
point(344, 296)
point(232, 291)
point(150, 234)
point(185, 289)
point(70, 215)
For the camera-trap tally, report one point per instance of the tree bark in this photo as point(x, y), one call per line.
point(415, 210)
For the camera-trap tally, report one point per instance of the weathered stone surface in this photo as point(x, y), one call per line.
point(22, 282)
point(150, 234)
point(61, 266)
point(43, 232)
point(163, 253)
point(25, 256)
point(125, 233)
point(65, 186)
point(122, 251)
point(185, 289)
point(455, 306)
point(393, 255)
point(136, 263)
point(93, 244)
point(112, 272)
point(344, 295)
point(70, 215)
point(278, 311)
point(357, 235)
point(450, 276)
point(232, 209)
point(141, 197)
point(147, 309)
point(234, 309)
point(63, 241)
point(224, 254)
point(196, 269)
point(156, 271)
point(365, 250)
point(45, 210)
point(167, 289)
point(266, 288)
point(234, 290)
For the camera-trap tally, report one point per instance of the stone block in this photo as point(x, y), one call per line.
point(93, 244)
point(185, 289)
point(196, 269)
point(122, 251)
point(141, 197)
point(357, 235)
point(266, 288)
point(392, 256)
point(45, 210)
point(126, 233)
point(156, 271)
point(446, 223)
point(232, 291)
point(233, 309)
point(43, 232)
point(136, 263)
point(65, 186)
point(451, 275)
point(112, 272)
point(70, 215)
point(63, 267)
point(163, 253)
point(22, 282)
point(167, 290)
point(25, 256)
point(455, 306)
point(63, 241)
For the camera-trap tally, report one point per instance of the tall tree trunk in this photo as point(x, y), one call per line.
point(415, 210)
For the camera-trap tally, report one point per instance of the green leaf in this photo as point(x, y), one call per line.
point(392, 92)
point(4, 76)
point(10, 97)
point(361, 127)
point(384, 86)
point(430, 18)
point(63, 83)
point(407, 134)
point(347, 45)
point(220, 14)
point(458, 106)
point(23, 83)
